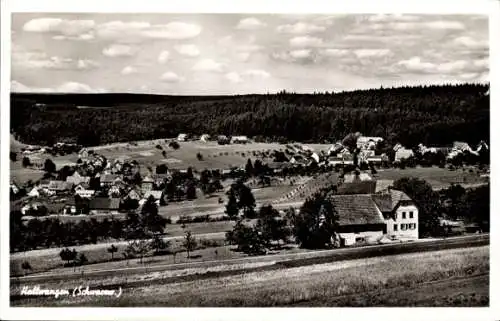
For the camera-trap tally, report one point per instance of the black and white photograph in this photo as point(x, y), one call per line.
point(247, 159)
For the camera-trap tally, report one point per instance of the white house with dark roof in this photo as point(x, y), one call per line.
point(370, 217)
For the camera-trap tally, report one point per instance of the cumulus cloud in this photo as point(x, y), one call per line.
point(392, 17)
point(300, 28)
point(87, 29)
point(258, 73)
point(301, 53)
point(188, 50)
point(469, 42)
point(306, 41)
point(84, 64)
point(118, 50)
point(416, 64)
point(250, 24)
point(208, 65)
point(170, 77)
point(163, 57)
point(128, 70)
point(433, 25)
point(366, 53)
point(82, 37)
point(173, 30)
point(67, 87)
point(40, 60)
point(61, 26)
point(333, 52)
point(233, 77)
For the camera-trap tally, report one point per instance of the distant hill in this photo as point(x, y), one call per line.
point(433, 115)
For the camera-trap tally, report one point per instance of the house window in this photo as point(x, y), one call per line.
point(403, 227)
point(404, 215)
point(395, 227)
point(411, 214)
point(395, 216)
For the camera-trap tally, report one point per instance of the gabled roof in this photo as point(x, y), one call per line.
point(361, 187)
point(148, 179)
point(387, 202)
point(355, 209)
point(104, 203)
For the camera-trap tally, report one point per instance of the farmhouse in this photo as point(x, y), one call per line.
point(108, 179)
point(182, 137)
point(104, 205)
point(402, 153)
point(335, 149)
point(14, 188)
point(34, 192)
point(83, 190)
point(222, 140)
point(59, 186)
point(239, 140)
point(359, 219)
point(76, 179)
point(147, 184)
point(400, 214)
point(367, 217)
point(205, 138)
point(365, 142)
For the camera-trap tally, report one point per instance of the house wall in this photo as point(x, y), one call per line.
point(399, 221)
point(370, 236)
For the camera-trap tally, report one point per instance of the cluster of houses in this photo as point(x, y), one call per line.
point(102, 183)
point(220, 139)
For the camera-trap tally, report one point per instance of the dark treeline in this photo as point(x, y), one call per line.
point(433, 115)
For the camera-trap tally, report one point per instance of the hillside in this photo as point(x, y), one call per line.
point(433, 115)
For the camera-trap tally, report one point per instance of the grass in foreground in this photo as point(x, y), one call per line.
point(380, 281)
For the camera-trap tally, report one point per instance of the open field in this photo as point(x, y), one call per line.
point(289, 256)
point(437, 177)
point(461, 276)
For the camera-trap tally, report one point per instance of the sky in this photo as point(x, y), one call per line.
point(202, 54)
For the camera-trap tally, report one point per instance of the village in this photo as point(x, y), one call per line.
point(369, 210)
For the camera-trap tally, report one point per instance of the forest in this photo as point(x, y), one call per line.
point(433, 115)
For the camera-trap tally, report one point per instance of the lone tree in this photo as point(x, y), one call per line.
point(26, 266)
point(13, 156)
point(232, 209)
point(244, 198)
point(316, 224)
point(26, 161)
point(112, 250)
point(82, 259)
point(49, 166)
point(189, 243)
point(158, 244)
point(68, 255)
point(199, 156)
point(249, 168)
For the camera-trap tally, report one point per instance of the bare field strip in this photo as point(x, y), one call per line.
point(319, 284)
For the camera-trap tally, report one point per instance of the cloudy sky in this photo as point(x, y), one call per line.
point(225, 54)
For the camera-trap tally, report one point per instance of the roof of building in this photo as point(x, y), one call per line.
point(156, 194)
point(350, 178)
point(361, 187)
point(101, 203)
point(60, 185)
point(356, 209)
point(387, 202)
point(108, 178)
point(148, 179)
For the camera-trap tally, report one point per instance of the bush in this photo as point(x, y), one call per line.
point(174, 145)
